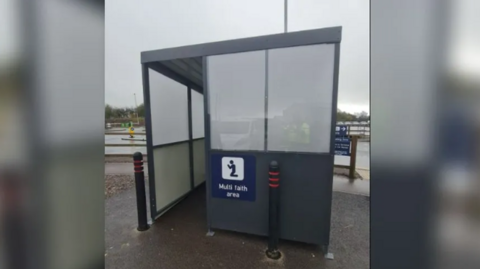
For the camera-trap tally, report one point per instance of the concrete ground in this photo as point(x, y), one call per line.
point(119, 139)
point(364, 173)
point(357, 187)
point(177, 240)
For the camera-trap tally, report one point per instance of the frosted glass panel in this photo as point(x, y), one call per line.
point(172, 180)
point(236, 90)
point(198, 118)
point(300, 87)
point(169, 108)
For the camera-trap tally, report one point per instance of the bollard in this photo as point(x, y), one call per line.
point(273, 232)
point(353, 158)
point(140, 189)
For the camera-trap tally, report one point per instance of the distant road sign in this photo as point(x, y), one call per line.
point(342, 146)
point(341, 130)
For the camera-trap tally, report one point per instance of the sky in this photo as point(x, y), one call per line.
point(133, 26)
point(9, 29)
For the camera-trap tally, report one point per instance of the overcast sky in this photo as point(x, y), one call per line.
point(135, 26)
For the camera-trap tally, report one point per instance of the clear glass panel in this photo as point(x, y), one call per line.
point(169, 109)
point(300, 88)
point(198, 118)
point(236, 91)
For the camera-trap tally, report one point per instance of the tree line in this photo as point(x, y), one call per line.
point(345, 116)
point(130, 112)
point(112, 112)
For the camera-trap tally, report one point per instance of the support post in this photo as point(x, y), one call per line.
point(353, 157)
point(190, 139)
point(140, 189)
point(273, 231)
point(285, 14)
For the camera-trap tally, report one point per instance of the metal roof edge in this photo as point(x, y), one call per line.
point(290, 39)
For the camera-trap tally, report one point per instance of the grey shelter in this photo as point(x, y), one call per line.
point(221, 112)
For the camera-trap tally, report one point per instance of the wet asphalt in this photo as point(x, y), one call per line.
point(177, 240)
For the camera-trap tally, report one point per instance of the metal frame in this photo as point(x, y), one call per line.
point(208, 141)
point(292, 39)
point(148, 132)
point(175, 143)
point(265, 142)
point(153, 59)
point(190, 138)
point(336, 67)
point(154, 212)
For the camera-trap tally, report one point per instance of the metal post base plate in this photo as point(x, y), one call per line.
point(273, 254)
point(210, 233)
point(329, 256)
point(141, 229)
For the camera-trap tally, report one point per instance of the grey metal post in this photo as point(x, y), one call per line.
point(148, 133)
point(206, 108)
point(190, 139)
point(286, 16)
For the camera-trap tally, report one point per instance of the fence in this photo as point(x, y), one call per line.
point(358, 128)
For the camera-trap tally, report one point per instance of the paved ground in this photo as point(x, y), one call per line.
point(364, 173)
point(117, 139)
point(177, 240)
point(125, 130)
point(358, 187)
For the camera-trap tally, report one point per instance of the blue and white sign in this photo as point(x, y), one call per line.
point(233, 168)
point(341, 130)
point(233, 177)
point(342, 146)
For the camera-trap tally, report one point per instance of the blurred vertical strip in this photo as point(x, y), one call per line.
point(52, 156)
point(457, 222)
point(405, 52)
point(15, 177)
point(425, 67)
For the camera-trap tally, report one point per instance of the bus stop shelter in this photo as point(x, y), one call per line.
point(220, 112)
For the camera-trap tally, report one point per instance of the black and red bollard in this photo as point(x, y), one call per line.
point(274, 196)
point(140, 189)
